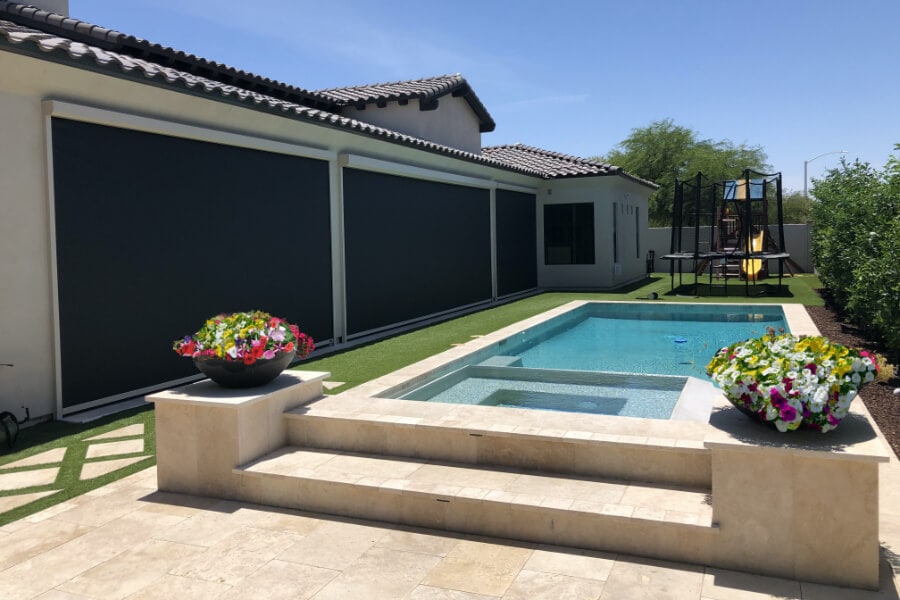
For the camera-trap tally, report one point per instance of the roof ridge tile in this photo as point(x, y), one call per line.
point(424, 89)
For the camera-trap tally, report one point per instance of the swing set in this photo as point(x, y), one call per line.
point(723, 228)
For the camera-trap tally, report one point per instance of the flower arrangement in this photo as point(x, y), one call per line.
point(792, 381)
point(245, 337)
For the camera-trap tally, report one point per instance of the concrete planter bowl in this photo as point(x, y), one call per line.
point(236, 374)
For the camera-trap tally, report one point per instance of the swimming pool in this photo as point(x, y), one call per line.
point(625, 359)
point(641, 338)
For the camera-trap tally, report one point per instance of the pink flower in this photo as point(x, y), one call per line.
point(788, 413)
point(777, 399)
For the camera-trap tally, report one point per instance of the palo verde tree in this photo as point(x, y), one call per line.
point(663, 151)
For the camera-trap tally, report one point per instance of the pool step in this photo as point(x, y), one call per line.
point(501, 360)
point(589, 453)
point(601, 514)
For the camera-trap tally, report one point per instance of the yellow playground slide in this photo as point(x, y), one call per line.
point(751, 267)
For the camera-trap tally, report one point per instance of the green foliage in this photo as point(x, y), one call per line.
point(796, 208)
point(663, 151)
point(856, 243)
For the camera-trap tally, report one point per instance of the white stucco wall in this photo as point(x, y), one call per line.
point(25, 282)
point(603, 192)
point(453, 123)
point(27, 319)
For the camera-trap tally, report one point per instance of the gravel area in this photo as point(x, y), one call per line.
point(878, 396)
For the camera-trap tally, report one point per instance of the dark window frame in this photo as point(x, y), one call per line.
point(569, 234)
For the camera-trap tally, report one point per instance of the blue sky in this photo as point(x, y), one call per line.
point(797, 77)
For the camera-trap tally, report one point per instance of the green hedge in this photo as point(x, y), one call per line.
point(856, 244)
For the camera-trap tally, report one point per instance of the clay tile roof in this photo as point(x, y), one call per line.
point(35, 32)
point(555, 165)
point(430, 88)
point(25, 29)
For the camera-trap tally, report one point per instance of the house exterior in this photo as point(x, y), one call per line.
point(143, 190)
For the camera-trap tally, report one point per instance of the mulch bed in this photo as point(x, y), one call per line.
point(878, 396)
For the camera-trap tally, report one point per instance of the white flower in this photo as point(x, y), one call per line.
point(818, 400)
point(736, 390)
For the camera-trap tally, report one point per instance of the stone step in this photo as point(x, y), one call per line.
point(602, 514)
point(648, 454)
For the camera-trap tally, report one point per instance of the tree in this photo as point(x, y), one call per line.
point(795, 207)
point(856, 244)
point(663, 151)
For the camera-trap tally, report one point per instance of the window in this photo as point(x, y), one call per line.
point(637, 232)
point(569, 234)
point(615, 232)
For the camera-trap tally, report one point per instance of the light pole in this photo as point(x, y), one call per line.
point(806, 162)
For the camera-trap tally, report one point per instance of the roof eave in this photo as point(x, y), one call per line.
point(616, 173)
point(301, 113)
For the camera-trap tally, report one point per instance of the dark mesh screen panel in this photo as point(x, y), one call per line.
point(413, 248)
point(516, 242)
point(154, 234)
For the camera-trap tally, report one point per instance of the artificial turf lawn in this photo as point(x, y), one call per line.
point(58, 434)
point(361, 364)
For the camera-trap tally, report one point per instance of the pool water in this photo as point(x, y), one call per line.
point(601, 358)
point(662, 340)
point(594, 393)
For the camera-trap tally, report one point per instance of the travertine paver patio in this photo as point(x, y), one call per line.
point(128, 540)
